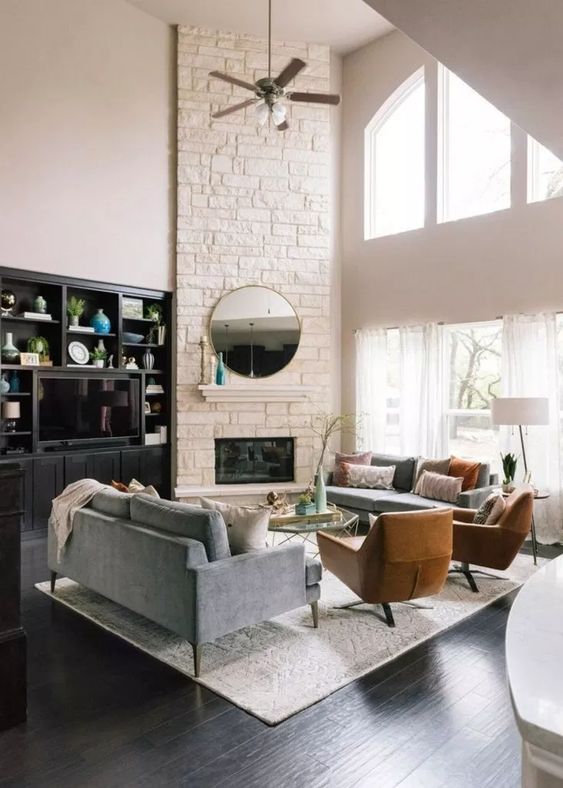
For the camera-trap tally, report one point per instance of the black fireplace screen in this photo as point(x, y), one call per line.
point(248, 460)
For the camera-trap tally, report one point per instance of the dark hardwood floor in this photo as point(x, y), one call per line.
point(103, 714)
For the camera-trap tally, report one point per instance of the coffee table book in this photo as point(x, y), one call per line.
point(330, 516)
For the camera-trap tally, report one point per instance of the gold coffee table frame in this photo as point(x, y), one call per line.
point(306, 526)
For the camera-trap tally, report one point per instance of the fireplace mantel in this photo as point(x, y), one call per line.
point(256, 392)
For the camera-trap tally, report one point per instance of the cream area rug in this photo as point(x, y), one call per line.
point(282, 666)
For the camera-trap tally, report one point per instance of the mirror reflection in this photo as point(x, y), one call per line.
point(256, 330)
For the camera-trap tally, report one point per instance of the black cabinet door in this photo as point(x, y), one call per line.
point(77, 466)
point(48, 482)
point(131, 465)
point(105, 466)
point(27, 520)
point(154, 469)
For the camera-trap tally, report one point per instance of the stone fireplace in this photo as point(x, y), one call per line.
point(253, 208)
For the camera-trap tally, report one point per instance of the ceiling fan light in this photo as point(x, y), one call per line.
point(262, 112)
point(279, 113)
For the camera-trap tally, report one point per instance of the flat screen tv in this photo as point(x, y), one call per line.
point(87, 408)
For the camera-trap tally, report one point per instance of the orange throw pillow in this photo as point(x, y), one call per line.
point(468, 469)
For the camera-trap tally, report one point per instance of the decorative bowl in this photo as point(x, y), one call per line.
point(132, 339)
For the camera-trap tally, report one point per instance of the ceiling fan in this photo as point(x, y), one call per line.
point(269, 94)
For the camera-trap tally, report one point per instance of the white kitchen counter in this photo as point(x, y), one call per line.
point(534, 658)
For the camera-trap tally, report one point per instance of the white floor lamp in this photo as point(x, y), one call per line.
point(521, 412)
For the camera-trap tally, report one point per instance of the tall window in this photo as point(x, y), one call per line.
point(473, 153)
point(394, 162)
point(474, 373)
point(545, 173)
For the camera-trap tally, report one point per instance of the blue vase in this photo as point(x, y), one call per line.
point(220, 371)
point(4, 384)
point(101, 322)
point(15, 383)
point(320, 491)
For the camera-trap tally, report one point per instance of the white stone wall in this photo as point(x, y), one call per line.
point(253, 208)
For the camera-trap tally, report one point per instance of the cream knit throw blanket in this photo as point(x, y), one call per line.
point(65, 506)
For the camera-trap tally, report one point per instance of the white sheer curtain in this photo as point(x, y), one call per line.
point(371, 388)
point(530, 368)
point(423, 391)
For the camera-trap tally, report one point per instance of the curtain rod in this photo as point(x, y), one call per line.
point(439, 323)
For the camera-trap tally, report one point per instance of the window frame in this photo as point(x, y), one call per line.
point(533, 151)
point(387, 109)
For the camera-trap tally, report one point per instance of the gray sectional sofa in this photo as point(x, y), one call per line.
point(171, 563)
point(401, 498)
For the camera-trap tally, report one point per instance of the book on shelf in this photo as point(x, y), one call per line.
point(154, 388)
point(82, 329)
point(36, 316)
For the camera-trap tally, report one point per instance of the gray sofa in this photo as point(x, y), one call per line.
point(171, 563)
point(364, 502)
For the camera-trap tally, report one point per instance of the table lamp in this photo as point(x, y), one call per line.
point(520, 412)
point(11, 413)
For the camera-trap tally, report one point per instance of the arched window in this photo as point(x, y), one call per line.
point(545, 173)
point(394, 162)
point(473, 152)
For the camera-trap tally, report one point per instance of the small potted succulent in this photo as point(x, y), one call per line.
point(305, 503)
point(98, 356)
point(509, 463)
point(75, 309)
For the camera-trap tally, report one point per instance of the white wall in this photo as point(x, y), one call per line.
point(87, 141)
point(472, 269)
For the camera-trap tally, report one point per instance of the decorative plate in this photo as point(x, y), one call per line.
point(78, 353)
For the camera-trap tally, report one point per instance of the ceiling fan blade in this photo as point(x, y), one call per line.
point(283, 126)
point(235, 108)
point(290, 72)
point(233, 80)
point(315, 98)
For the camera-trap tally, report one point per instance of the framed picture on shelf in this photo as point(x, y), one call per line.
point(132, 307)
point(147, 407)
point(29, 359)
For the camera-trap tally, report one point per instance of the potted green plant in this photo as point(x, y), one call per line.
point(509, 463)
point(40, 346)
point(154, 312)
point(98, 356)
point(305, 503)
point(75, 309)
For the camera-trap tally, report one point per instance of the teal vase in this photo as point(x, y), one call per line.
point(320, 491)
point(220, 371)
point(10, 354)
point(101, 322)
point(4, 384)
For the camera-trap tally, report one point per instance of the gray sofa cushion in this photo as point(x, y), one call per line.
point(313, 571)
point(193, 522)
point(408, 502)
point(404, 470)
point(483, 479)
point(357, 498)
point(113, 503)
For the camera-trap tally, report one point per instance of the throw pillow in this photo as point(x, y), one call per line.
point(468, 469)
point(436, 466)
point(338, 476)
point(371, 476)
point(247, 526)
point(438, 487)
point(490, 511)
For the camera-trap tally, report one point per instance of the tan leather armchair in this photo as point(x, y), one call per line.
point(493, 546)
point(405, 555)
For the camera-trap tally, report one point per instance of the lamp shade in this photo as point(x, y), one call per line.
point(11, 410)
point(520, 410)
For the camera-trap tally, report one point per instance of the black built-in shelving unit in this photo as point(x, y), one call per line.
point(48, 469)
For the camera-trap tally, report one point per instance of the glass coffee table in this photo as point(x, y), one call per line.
point(305, 527)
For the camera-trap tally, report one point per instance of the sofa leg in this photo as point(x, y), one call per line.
point(53, 581)
point(315, 612)
point(388, 614)
point(197, 647)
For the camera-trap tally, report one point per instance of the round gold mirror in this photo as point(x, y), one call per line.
point(257, 331)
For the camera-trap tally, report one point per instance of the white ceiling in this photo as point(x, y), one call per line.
point(344, 24)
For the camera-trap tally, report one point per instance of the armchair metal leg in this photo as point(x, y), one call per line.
point(197, 647)
point(463, 569)
point(388, 614)
point(315, 612)
point(53, 581)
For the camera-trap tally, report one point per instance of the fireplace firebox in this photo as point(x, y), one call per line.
point(254, 460)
